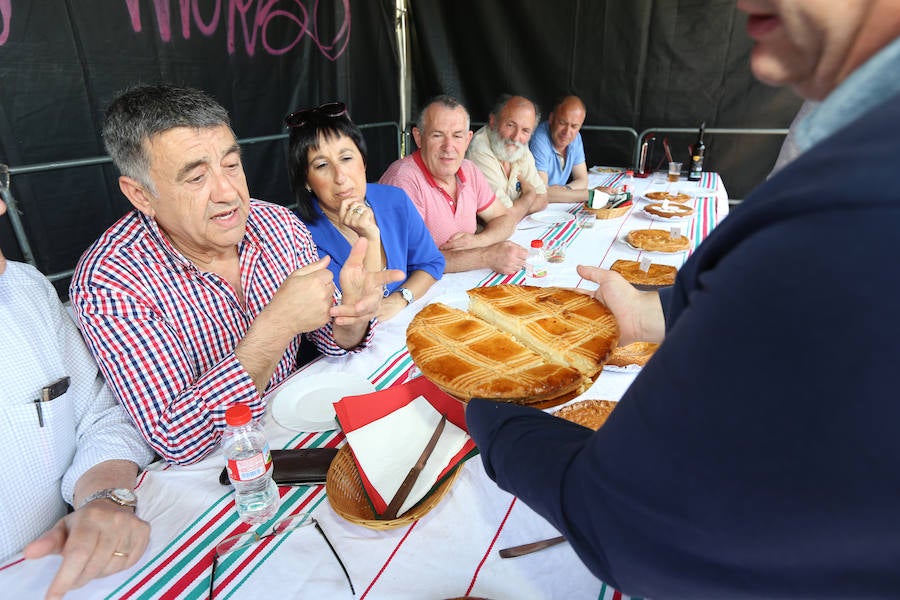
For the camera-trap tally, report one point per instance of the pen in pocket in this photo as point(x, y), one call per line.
point(50, 392)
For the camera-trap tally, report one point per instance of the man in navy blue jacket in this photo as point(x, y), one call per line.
point(757, 454)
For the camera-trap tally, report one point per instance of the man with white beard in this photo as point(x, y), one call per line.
point(500, 150)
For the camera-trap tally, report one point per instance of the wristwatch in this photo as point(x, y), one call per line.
point(121, 496)
point(407, 295)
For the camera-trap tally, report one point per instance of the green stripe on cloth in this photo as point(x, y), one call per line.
point(235, 585)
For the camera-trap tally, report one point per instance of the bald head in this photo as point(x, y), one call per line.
point(565, 122)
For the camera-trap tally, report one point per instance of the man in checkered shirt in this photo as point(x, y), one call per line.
point(197, 299)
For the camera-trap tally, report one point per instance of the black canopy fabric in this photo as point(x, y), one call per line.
point(636, 63)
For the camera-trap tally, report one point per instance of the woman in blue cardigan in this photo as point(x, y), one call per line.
point(327, 167)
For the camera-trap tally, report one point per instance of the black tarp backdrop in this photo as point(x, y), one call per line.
point(62, 61)
point(636, 63)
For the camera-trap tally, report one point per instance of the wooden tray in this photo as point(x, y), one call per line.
point(347, 497)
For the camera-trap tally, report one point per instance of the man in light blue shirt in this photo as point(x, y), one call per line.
point(559, 152)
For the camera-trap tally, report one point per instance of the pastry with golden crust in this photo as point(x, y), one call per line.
point(679, 197)
point(561, 324)
point(637, 353)
point(657, 275)
point(590, 413)
point(657, 240)
point(522, 344)
point(673, 209)
point(468, 358)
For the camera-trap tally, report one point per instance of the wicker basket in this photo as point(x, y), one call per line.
point(346, 495)
point(608, 213)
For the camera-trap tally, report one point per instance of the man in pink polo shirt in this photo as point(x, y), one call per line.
point(452, 195)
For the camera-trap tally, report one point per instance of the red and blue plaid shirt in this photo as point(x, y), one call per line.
point(164, 332)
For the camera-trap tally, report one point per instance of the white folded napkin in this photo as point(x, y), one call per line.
point(387, 448)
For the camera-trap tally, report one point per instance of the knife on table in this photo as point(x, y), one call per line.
point(407, 485)
point(529, 548)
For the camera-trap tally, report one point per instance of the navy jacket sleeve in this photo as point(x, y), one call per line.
point(755, 455)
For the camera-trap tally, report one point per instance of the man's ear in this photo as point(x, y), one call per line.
point(136, 194)
point(491, 121)
point(417, 136)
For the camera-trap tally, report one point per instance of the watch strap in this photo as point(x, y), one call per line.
point(121, 496)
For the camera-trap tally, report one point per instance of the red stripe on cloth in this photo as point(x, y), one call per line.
point(200, 568)
point(389, 368)
point(617, 595)
point(13, 563)
point(389, 559)
point(224, 582)
point(171, 557)
point(490, 547)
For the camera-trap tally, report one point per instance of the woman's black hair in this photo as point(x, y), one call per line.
point(305, 138)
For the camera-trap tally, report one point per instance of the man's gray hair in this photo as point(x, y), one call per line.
point(445, 101)
point(504, 98)
point(139, 113)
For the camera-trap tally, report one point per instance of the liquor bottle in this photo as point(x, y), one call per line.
point(697, 152)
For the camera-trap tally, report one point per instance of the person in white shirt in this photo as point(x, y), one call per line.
point(78, 447)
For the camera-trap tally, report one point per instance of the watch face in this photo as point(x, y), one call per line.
point(124, 495)
point(407, 295)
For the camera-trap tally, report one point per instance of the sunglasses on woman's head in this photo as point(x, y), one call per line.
point(299, 118)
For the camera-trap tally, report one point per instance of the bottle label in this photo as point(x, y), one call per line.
point(535, 267)
point(245, 469)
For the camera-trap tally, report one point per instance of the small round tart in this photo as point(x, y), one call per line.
point(669, 211)
point(679, 197)
point(656, 275)
point(657, 240)
point(637, 353)
point(589, 413)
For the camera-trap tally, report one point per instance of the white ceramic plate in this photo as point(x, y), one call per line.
point(552, 217)
point(625, 369)
point(673, 218)
point(600, 169)
point(623, 240)
point(305, 402)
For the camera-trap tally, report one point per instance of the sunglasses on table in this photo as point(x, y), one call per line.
point(283, 527)
point(301, 117)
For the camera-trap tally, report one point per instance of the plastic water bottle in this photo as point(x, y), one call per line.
point(536, 262)
point(249, 465)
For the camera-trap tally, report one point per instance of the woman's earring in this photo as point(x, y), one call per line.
point(308, 189)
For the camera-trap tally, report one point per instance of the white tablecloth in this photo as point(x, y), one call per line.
point(450, 552)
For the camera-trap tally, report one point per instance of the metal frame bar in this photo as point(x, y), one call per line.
point(711, 130)
point(15, 213)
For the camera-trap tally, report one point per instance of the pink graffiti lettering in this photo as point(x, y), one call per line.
point(6, 15)
point(251, 19)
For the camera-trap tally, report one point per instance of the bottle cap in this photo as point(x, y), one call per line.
point(537, 243)
point(629, 173)
point(238, 415)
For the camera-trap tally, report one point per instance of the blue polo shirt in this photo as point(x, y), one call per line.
point(547, 160)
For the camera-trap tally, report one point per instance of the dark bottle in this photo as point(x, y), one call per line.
point(697, 152)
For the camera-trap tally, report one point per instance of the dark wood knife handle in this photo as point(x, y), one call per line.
point(529, 548)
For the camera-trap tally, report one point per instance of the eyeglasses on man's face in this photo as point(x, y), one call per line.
point(283, 527)
point(301, 117)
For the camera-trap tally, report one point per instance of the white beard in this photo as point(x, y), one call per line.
point(500, 149)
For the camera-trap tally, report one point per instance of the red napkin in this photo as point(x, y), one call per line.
point(355, 412)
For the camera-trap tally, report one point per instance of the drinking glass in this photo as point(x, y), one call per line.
point(674, 171)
